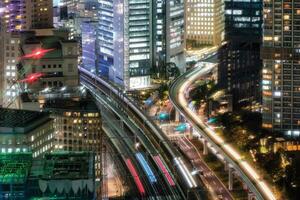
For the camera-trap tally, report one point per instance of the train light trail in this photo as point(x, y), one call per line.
point(36, 54)
point(146, 167)
point(164, 170)
point(135, 176)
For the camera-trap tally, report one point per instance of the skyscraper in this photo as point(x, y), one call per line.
point(281, 67)
point(205, 22)
point(40, 14)
point(169, 34)
point(12, 15)
point(105, 38)
point(12, 20)
point(240, 64)
point(135, 37)
point(16, 16)
point(132, 43)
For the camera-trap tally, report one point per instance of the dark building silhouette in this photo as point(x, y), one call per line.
point(240, 63)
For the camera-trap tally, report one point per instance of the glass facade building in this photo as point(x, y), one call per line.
point(169, 33)
point(281, 67)
point(134, 37)
point(105, 37)
point(240, 62)
point(132, 43)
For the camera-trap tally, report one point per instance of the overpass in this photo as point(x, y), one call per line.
point(233, 161)
point(164, 158)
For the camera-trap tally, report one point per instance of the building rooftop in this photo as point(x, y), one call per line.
point(69, 104)
point(21, 121)
point(14, 167)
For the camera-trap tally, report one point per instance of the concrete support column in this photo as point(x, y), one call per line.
point(189, 133)
point(177, 116)
point(205, 149)
point(226, 165)
point(230, 178)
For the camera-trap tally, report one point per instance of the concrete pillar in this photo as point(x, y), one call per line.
point(226, 165)
point(177, 116)
point(205, 149)
point(230, 178)
point(189, 133)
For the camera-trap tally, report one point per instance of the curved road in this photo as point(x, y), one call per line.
point(247, 173)
point(169, 157)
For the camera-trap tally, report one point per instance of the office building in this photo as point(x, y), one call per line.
point(136, 38)
point(78, 127)
point(132, 44)
point(88, 45)
point(12, 21)
point(25, 131)
point(204, 22)
point(73, 13)
point(16, 16)
point(240, 64)
point(13, 15)
point(281, 67)
point(39, 14)
point(50, 54)
point(9, 54)
point(105, 38)
point(169, 34)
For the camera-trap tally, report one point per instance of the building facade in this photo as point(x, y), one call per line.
point(25, 131)
point(57, 66)
point(281, 67)
point(77, 128)
point(105, 38)
point(12, 21)
point(39, 14)
point(17, 16)
point(137, 38)
point(240, 64)
point(169, 34)
point(204, 22)
point(9, 54)
point(132, 44)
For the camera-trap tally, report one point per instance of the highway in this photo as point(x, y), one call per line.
point(178, 95)
point(212, 182)
point(165, 157)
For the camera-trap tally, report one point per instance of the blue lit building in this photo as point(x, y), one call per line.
point(136, 38)
point(88, 42)
point(105, 37)
point(240, 63)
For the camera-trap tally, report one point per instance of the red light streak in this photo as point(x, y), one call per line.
point(32, 77)
point(37, 53)
point(136, 178)
point(164, 170)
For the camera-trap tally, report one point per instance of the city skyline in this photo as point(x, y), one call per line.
point(149, 99)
